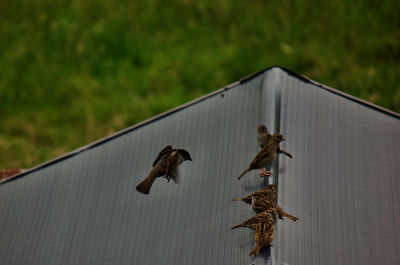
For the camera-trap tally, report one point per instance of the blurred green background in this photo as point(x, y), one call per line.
point(75, 71)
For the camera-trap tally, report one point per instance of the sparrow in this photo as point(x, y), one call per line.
point(263, 217)
point(265, 205)
point(166, 165)
point(263, 237)
point(263, 137)
point(266, 156)
point(269, 192)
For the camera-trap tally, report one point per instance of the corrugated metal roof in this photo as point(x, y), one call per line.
point(343, 183)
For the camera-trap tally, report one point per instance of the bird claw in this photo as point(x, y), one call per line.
point(265, 173)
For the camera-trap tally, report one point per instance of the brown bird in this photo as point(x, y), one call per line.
point(269, 192)
point(263, 217)
point(166, 165)
point(263, 137)
point(263, 237)
point(267, 155)
point(266, 205)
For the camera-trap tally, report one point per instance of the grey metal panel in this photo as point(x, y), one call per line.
point(343, 183)
point(85, 209)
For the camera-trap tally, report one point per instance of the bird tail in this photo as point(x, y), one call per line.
point(255, 250)
point(285, 153)
point(237, 199)
point(237, 226)
point(244, 172)
point(145, 186)
point(283, 213)
point(291, 217)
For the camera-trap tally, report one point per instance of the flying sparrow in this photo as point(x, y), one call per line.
point(267, 155)
point(166, 165)
point(269, 192)
point(263, 237)
point(265, 205)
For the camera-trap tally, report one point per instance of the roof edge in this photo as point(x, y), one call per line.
point(330, 89)
point(119, 133)
point(195, 101)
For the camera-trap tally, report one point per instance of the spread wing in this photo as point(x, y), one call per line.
point(176, 158)
point(182, 155)
point(165, 151)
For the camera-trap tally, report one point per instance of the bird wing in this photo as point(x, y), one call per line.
point(166, 150)
point(263, 138)
point(182, 155)
point(262, 154)
point(268, 137)
point(262, 205)
point(176, 157)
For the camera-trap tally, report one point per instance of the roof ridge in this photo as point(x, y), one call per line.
point(195, 101)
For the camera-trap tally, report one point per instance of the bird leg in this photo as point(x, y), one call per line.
point(265, 173)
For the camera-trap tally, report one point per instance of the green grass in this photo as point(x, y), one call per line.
point(75, 71)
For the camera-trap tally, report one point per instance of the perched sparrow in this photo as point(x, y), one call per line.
point(266, 205)
point(166, 165)
point(267, 155)
point(263, 237)
point(264, 137)
point(263, 217)
point(269, 192)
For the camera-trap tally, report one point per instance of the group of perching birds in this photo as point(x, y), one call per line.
point(263, 202)
point(267, 211)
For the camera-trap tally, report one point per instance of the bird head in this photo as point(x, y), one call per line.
point(278, 137)
point(271, 187)
point(262, 129)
